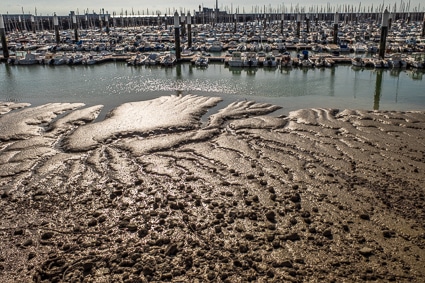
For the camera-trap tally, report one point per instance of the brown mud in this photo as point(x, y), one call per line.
point(150, 194)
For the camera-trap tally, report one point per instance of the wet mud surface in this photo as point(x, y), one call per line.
point(150, 194)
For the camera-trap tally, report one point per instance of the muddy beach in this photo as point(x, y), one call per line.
point(152, 194)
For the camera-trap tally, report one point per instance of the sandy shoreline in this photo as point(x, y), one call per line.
point(151, 194)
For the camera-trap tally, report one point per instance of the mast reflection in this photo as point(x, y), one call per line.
point(378, 89)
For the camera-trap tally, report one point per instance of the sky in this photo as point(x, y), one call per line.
point(63, 7)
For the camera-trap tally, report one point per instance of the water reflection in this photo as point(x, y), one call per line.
point(356, 80)
point(378, 89)
point(235, 70)
point(332, 82)
point(10, 84)
point(286, 70)
point(416, 74)
point(357, 69)
point(305, 70)
point(190, 70)
point(270, 69)
point(251, 71)
point(248, 71)
point(395, 72)
point(178, 71)
point(349, 87)
point(8, 72)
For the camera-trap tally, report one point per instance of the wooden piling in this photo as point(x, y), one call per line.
point(336, 28)
point(423, 27)
point(298, 24)
point(74, 26)
point(3, 38)
point(33, 24)
point(308, 25)
point(56, 26)
point(189, 30)
point(177, 35)
point(384, 33)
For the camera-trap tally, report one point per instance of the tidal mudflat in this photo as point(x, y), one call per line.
point(151, 193)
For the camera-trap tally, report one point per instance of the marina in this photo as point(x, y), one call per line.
point(284, 54)
point(268, 46)
point(80, 39)
point(283, 144)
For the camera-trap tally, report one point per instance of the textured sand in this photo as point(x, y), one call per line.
point(151, 194)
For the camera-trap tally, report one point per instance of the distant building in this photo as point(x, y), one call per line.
point(208, 15)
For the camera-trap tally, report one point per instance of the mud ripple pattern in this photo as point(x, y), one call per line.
point(152, 194)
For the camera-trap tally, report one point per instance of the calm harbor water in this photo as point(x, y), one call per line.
point(112, 84)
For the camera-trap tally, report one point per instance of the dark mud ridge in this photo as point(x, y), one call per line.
point(151, 194)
